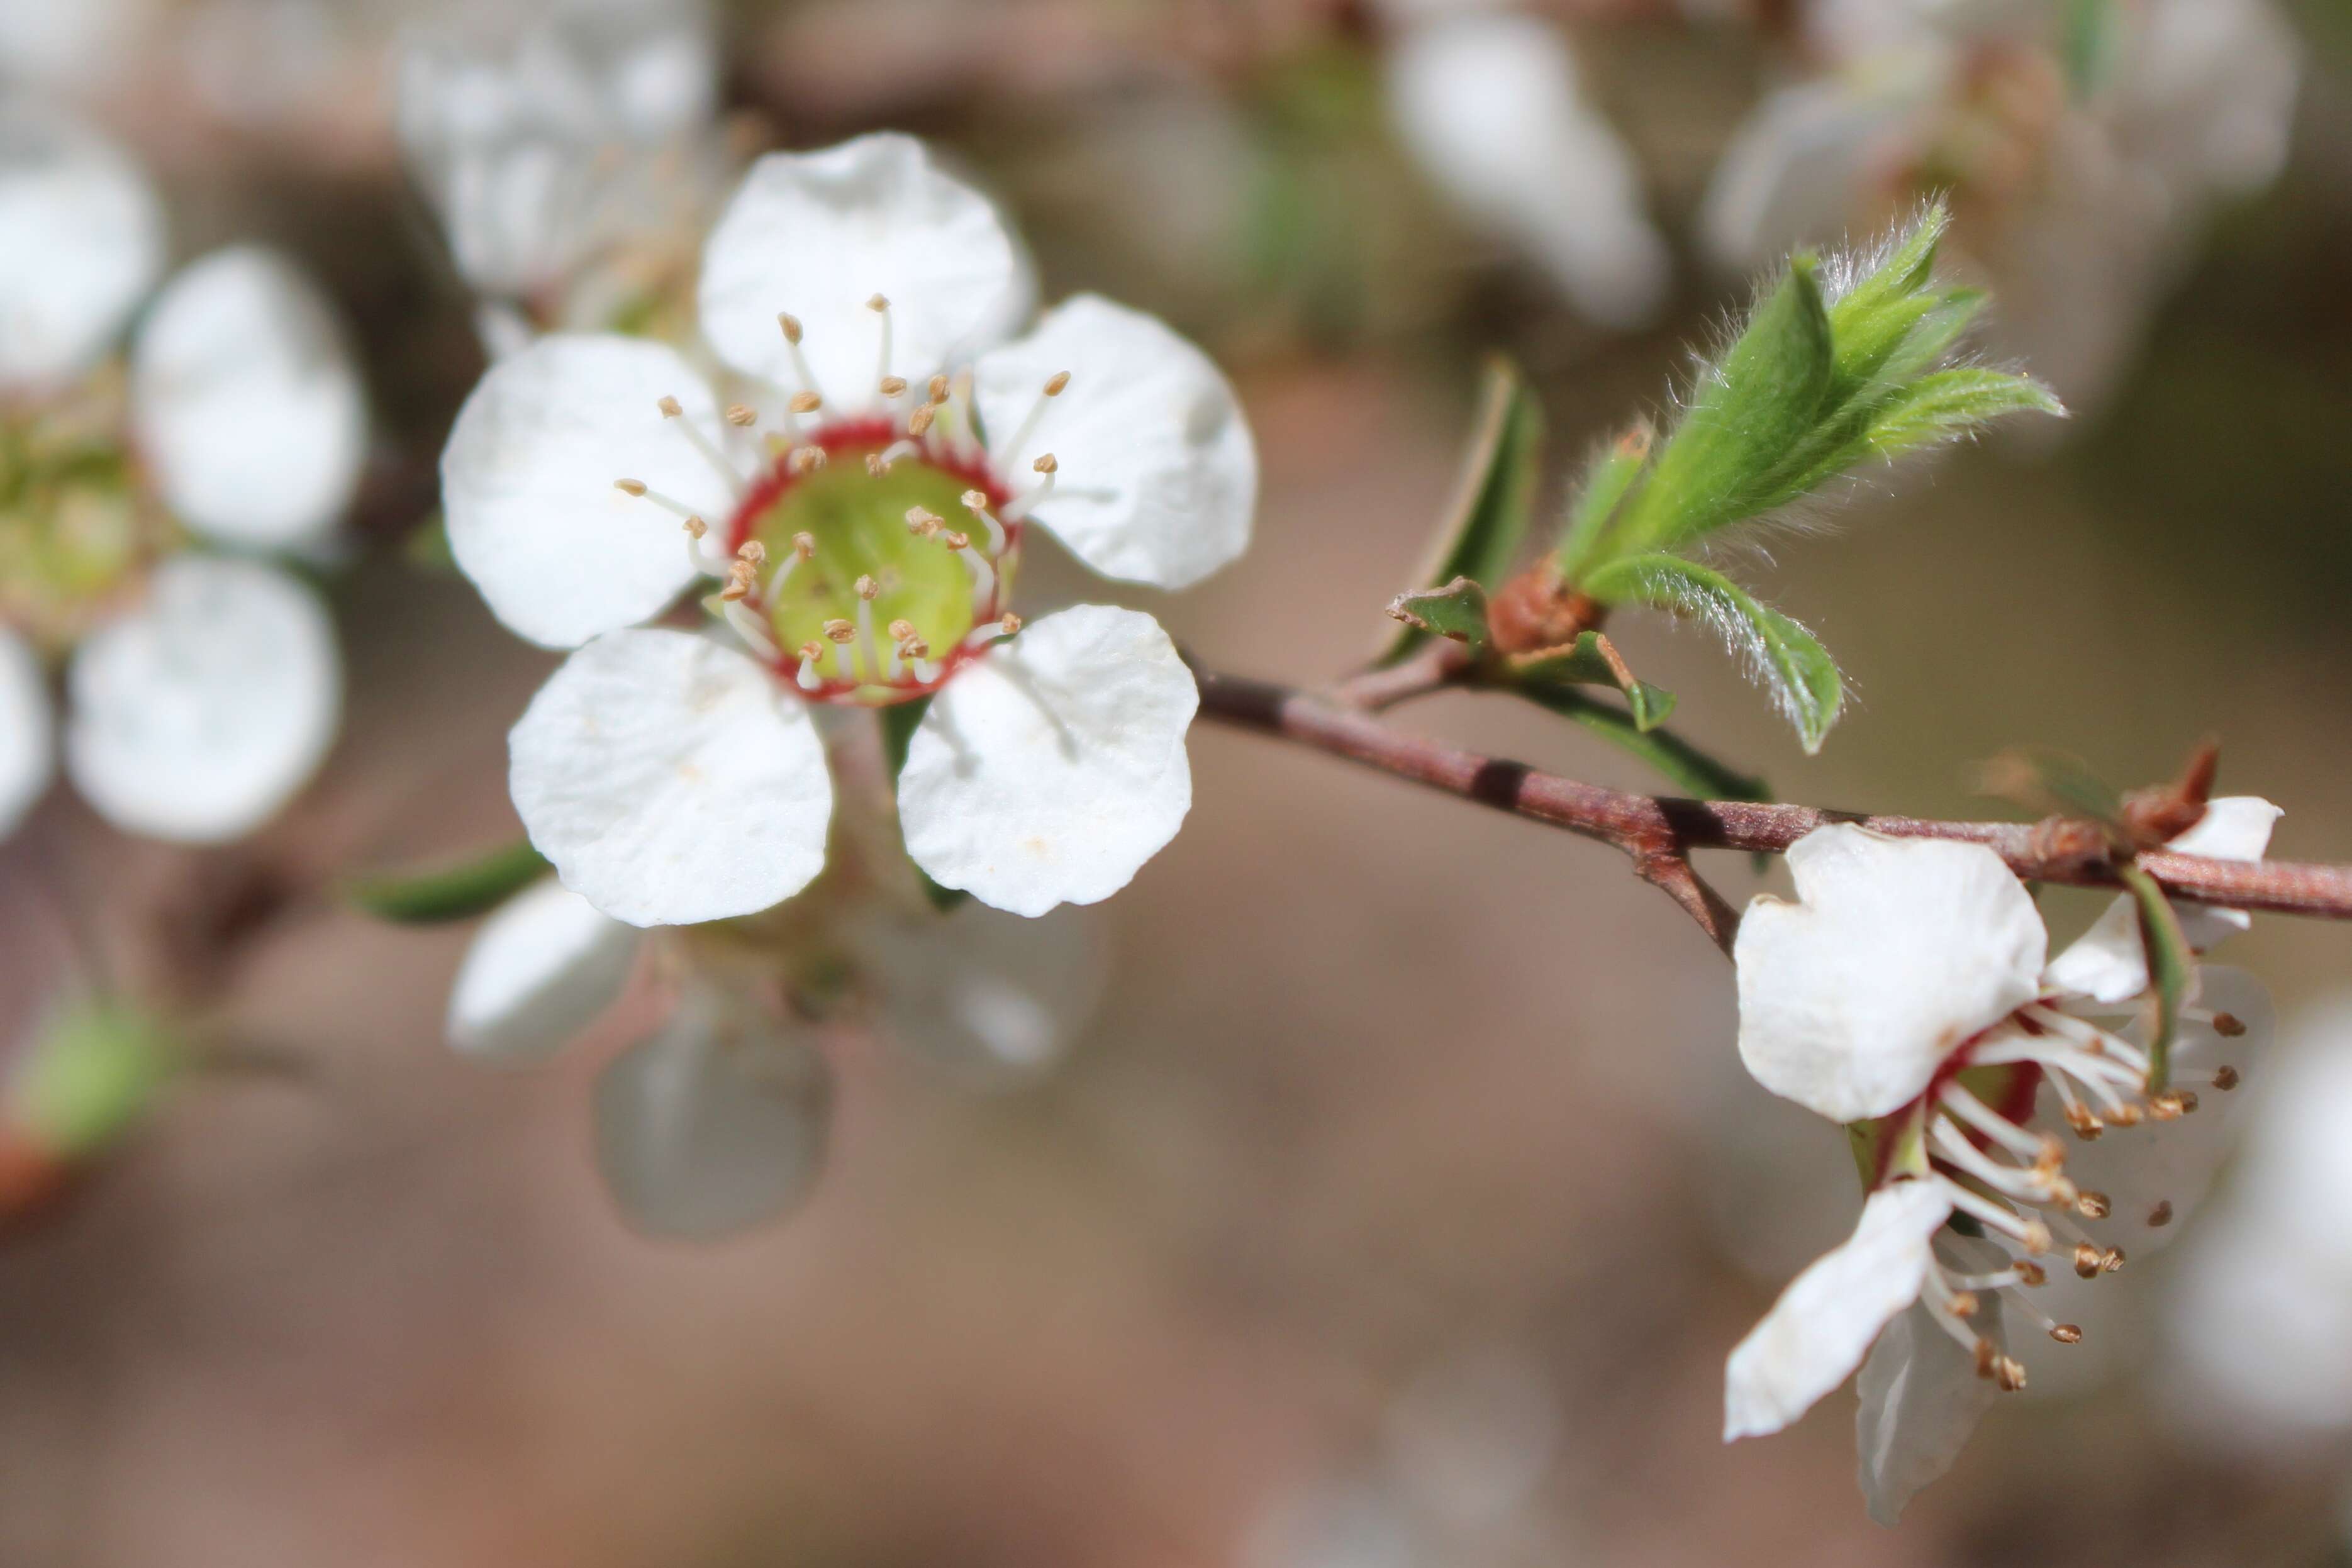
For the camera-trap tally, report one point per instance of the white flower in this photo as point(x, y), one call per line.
point(2108, 963)
point(1489, 104)
point(564, 166)
point(2082, 174)
point(1906, 993)
point(203, 690)
point(867, 546)
point(544, 966)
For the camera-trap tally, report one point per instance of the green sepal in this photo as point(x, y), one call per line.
point(1681, 764)
point(88, 1076)
point(898, 722)
point(2171, 964)
point(1790, 661)
point(1583, 663)
point(1456, 612)
point(449, 892)
point(1487, 519)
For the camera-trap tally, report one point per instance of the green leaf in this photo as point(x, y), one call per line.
point(90, 1075)
point(899, 723)
point(1457, 611)
point(1681, 764)
point(449, 892)
point(1949, 404)
point(1487, 518)
point(1586, 662)
point(1748, 412)
point(1789, 660)
point(1599, 500)
point(2170, 964)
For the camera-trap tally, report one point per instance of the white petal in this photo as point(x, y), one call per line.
point(246, 401)
point(1050, 769)
point(1819, 1330)
point(671, 781)
point(1159, 474)
point(1921, 1398)
point(541, 970)
point(81, 239)
point(1900, 950)
point(1489, 104)
point(2108, 963)
point(716, 1121)
point(526, 481)
point(27, 737)
point(991, 993)
point(819, 233)
point(1799, 169)
point(195, 716)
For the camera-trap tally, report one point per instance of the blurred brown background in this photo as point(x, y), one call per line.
point(1405, 1201)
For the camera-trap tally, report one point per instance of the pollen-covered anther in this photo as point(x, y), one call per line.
point(2126, 1116)
point(838, 632)
point(954, 540)
point(2066, 1334)
point(2034, 1237)
point(2029, 1272)
point(2172, 1105)
point(2161, 1215)
point(752, 550)
point(741, 578)
point(2088, 1260)
point(2225, 1078)
point(894, 386)
point(1963, 1304)
point(2086, 1125)
point(866, 588)
point(805, 459)
point(1987, 1358)
point(742, 415)
point(2228, 1026)
point(2092, 1205)
point(1008, 624)
point(695, 528)
point(901, 629)
point(920, 421)
point(1045, 463)
point(2009, 1376)
point(792, 326)
point(2112, 1261)
point(630, 486)
point(805, 403)
point(924, 522)
point(1057, 383)
point(670, 408)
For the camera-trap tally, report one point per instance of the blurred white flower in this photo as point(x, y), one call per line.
point(1489, 104)
point(1906, 994)
point(2082, 146)
point(572, 167)
point(2261, 1312)
point(673, 778)
point(203, 690)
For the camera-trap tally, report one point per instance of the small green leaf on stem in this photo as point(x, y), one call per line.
point(899, 723)
point(1591, 660)
point(1487, 521)
point(449, 892)
point(2171, 964)
point(1600, 499)
point(1456, 612)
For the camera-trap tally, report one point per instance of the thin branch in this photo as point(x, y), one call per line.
point(1658, 832)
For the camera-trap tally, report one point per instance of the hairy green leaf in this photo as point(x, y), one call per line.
point(1487, 519)
point(1789, 662)
point(1599, 500)
point(449, 892)
point(1457, 611)
point(1949, 405)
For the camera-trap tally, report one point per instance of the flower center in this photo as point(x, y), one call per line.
point(75, 524)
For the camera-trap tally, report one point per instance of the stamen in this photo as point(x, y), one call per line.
point(670, 504)
point(2161, 1215)
point(923, 521)
point(672, 409)
point(804, 459)
point(704, 561)
point(2030, 1234)
point(959, 403)
point(1954, 1147)
point(866, 590)
point(920, 421)
point(1022, 505)
point(882, 376)
point(988, 632)
point(747, 626)
point(2225, 1078)
point(808, 680)
point(976, 503)
point(1988, 1122)
point(841, 635)
point(804, 549)
point(878, 464)
point(2092, 1205)
point(1028, 427)
point(2031, 1273)
point(742, 416)
point(792, 326)
point(983, 576)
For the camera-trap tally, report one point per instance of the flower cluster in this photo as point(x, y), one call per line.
point(1908, 994)
point(202, 684)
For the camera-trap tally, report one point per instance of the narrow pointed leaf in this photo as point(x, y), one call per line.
point(449, 892)
point(1456, 612)
point(1949, 405)
point(1682, 765)
point(2169, 965)
point(1487, 519)
point(1787, 660)
point(1599, 500)
point(1583, 664)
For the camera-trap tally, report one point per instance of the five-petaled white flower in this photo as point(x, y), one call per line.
point(204, 688)
point(864, 505)
point(2082, 147)
point(1906, 993)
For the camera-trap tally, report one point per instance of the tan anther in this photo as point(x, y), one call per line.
point(1046, 463)
point(752, 550)
point(879, 303)
point(1009, 623)
point(695, 528)
point(974, 500)
point(792, 326)
point(875, 467)
point(918, 422)
point(936, 391)
point(2029, 1272)
point(2036, 1239)
point(1987, 1358)
point(2171, 1105)
point(2187, 1101)
point(902, 629)
point(2161, 1215)
point(2129, 1116)
point(805, 403)
point(2092, 1205)
point(2225, 1078)
point(743, 416)
point(914, 648)
point(2009, 1376)
point(2088, 1260)
point(812, 650)
point(865, 588)
point(2066, 1334)
point(2113, 1263)
point(2228, 1026)
point(894, 386)
point(1059, 381)
point(805, 459)
point(630, 486)
point(923, 520)
point(2086, 1125)
point(955, 540)
point(840, 632)
point(1965, 1304)
point(804, 546)
point(741, 577)
point(670, 408)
